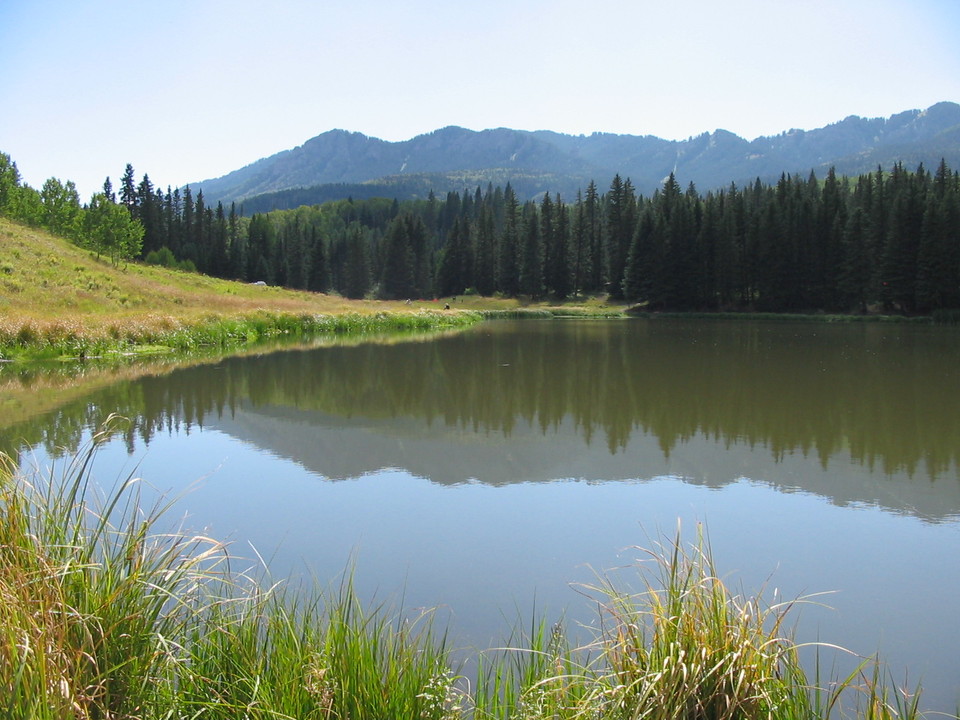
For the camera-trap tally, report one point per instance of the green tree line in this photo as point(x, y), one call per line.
point(887, 240)
point(101, 225)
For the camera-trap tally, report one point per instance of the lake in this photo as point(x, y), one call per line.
point(488, 472)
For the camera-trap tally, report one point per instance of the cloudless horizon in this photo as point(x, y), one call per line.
point(190, 91)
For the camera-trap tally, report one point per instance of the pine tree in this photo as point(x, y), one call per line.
point(531, 259)
point(593, 224)
point(903, 230)
point(149, 213)
point(356, 265)
point(855, 276)
point(548, 239)
point(319, 263)
point(485, 275)
point(108, 190)
point(621, 218)
point(730, 256)
point(219, 260)
point(938, 254)
point(422, 267)
point(397, 277)
point(559, 274)
point(831, 225)
point(237, 247)
point(128, 191)
point(508, 272)
point(260, 240)
point(188, 246)
point(452, 274)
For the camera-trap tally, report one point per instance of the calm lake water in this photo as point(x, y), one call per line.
point(487, 472)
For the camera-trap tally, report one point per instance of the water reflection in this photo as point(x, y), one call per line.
point(584, 399)
point(500, 464)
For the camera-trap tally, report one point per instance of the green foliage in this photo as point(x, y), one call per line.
point(882, 242)
point(62, 212)
point(162, 257)
point(110, 230)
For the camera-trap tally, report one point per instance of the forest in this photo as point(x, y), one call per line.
point(887, 241)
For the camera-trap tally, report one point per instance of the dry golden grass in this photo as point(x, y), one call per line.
point(52, 293)
point(47, 280)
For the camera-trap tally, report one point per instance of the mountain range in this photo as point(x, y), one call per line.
point(340, 164)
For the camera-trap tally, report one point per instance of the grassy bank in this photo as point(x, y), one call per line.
point(151, 333)
point(107, 613)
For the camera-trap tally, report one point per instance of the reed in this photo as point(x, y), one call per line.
point(685, 647)
point(92, 596)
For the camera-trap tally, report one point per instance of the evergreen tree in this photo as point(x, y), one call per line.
point(237, 246)
point(397, 278)
point(621, 217)
point(531, 259)
point(319, 265)
point(485, 274)
point(422, 267)
point(508, 271)
point(260, 240)
point(149, 213)
point(200, 237)
point(356, 265)
point(709, 246)
point(579, 244)
point(219, 256)
point(128, 191)
point(899, 262)
point(452, 274)
point(108, 190)
point(188, 246)
point(593, 224)
point(938, 254)
point(855, 276)
point(559, 277)
point(642, 259)
point(829, 233)
point(729, 274)
point(548, 239)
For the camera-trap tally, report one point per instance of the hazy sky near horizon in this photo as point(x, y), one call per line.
point(186, 91)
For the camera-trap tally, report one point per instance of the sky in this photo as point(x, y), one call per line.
point(190, 90)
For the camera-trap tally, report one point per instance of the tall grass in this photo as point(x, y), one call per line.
point(92, 596)
point(685, 647)
point(34, 339)
point(103, 616)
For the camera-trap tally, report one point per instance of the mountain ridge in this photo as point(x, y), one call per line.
point(545, 160)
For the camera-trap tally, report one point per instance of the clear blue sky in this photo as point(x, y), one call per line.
point(191, 90)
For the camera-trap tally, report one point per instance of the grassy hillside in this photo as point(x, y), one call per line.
point(56, 298)
point(43, 277)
